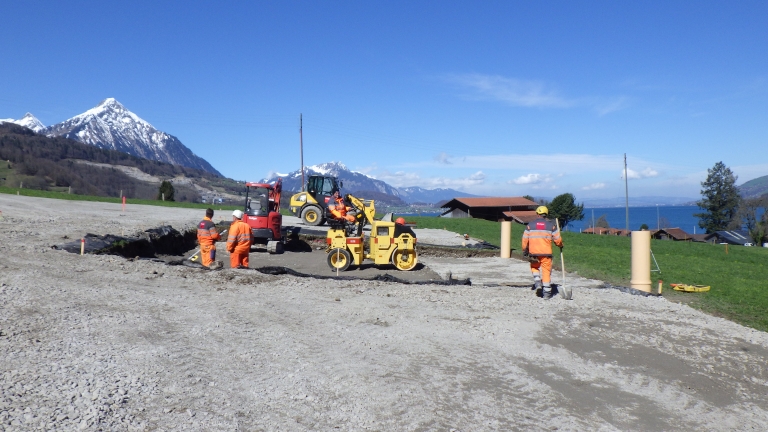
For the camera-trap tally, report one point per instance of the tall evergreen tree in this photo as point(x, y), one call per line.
point(720, 199)
point(564, 208)
point(166, 190)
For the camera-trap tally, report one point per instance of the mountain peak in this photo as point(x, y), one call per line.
point(112, 126)
point(29, 121)
point(110, 102)
point(329, 168)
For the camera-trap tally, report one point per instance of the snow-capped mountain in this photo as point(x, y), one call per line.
point(359, 182)
point(28, 121)
point(112, 126)
point(353, 181)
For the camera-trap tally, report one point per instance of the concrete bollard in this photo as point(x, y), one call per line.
point(506, 235)
point(641, 261)
point(82, 246)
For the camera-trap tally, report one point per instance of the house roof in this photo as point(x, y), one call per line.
point(675, 233)
point(521, 216)
point(734, 236)
point(491, 202)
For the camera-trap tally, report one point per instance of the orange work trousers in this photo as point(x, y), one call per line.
point(544, 266)
point(237, 259)
point(208, 254)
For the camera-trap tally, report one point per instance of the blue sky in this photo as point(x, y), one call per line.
point(491, 98)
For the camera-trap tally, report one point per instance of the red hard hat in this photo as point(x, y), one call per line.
point(400, 221)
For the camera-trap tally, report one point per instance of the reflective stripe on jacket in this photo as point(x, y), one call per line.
point(538, 237)
point(239, 239)
point(206, 232)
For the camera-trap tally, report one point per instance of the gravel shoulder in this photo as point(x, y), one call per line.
point(100, 342)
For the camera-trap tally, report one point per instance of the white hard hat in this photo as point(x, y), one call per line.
point(238, 214)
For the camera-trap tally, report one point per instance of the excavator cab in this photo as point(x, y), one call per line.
point(262, 214)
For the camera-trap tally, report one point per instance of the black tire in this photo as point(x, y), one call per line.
point(312, 216)
point(339, 259)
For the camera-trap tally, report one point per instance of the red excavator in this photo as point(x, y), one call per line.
point(262, 214)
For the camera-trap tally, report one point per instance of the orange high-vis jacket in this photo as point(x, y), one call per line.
point(538, 237)
point(239, 239)
point(339, 210)
point(206, 232)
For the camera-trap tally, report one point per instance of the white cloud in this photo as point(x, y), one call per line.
point(535, 181)
point(510, 90)
point(607, 107)
point(405, 179)
point(646, 173)
point(569, 162)
point(443, 158)
point(594, 186)
point(531, 179)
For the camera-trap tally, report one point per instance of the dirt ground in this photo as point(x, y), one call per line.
point(100, 342)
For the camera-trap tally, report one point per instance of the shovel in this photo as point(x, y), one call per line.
point(567, 293)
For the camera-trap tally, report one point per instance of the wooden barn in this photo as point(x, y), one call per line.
point(518, 209)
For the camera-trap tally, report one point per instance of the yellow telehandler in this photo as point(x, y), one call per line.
point(388, 243)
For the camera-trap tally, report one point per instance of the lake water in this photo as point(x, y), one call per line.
point(675, 216)
point(668, 216)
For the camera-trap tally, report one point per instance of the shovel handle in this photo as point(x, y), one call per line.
point(562, 260)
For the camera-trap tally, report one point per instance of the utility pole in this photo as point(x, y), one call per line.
point(626, 189)
point(301, 145)
point(658, 226)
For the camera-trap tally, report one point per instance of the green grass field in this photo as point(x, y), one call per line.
point(739, 278)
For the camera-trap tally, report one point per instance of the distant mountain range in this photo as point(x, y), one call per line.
point(355, 182)
point(755, 187)
point(111, 126)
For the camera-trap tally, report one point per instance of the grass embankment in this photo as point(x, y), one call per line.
point(739, 278)
point(75, 197)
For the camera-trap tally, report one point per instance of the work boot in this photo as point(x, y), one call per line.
point(546, 292)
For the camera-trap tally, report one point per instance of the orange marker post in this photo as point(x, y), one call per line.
point(123, 203)
point(82, 246)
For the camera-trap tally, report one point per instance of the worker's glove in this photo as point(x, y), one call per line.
point(525, 253)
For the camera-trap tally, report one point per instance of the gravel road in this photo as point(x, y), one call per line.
point(100, 342)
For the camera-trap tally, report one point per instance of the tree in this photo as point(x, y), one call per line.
point(166, 190)
point(564, 208)
point(720, 198)
point(602, 222)
point(757, 227)
point(644, 227)
point(528, 197)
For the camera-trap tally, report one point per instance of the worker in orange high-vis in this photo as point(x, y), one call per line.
point(339, 208)
point(239, 241)
point(537, 244)
point(207, 236)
